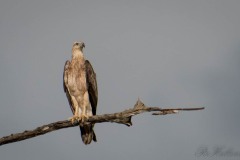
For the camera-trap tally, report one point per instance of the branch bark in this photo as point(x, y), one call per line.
point(123, 117)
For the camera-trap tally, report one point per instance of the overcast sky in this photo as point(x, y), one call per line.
point(168, 53)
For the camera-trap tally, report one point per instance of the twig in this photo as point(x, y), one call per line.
point(120, 117)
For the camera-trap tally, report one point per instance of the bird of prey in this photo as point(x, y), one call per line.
point(80, 86)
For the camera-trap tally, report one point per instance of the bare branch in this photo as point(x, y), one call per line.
point(120, 117)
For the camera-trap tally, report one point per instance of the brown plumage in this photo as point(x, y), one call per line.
point(80, 86)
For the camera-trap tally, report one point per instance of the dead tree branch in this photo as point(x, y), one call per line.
point(120, 117)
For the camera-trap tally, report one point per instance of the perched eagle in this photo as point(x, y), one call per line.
point(80, 86)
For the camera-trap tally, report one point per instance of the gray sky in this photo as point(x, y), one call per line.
point(169, 53)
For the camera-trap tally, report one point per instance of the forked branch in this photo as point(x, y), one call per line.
point(123, 117)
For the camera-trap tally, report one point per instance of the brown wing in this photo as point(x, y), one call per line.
point(92, 86)
point(65, 81)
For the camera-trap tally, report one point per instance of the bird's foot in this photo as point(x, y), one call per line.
point(84, 117)
point(74, 118)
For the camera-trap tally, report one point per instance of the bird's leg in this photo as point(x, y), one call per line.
point(76, 113)
point(84, 115)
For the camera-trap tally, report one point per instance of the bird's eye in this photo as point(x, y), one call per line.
point(76, 44)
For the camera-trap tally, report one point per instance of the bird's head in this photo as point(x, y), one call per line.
point(78, 46)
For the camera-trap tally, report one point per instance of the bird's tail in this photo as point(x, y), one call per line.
point(87, 133)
